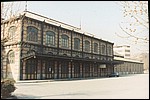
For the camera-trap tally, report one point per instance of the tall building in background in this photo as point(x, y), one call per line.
point(123, 50)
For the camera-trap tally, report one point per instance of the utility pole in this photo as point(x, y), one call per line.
point(80, 22)
point(26, 6)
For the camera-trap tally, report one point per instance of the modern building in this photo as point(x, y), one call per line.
point(42, 48)
point(123, 50)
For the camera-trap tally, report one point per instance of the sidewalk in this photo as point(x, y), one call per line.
point(33, 81)
point(71, 79)
point(54, 80)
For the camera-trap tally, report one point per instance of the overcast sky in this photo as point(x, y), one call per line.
point(100, 18)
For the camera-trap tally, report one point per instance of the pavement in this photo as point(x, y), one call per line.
point(130, 87)
point(73, 79)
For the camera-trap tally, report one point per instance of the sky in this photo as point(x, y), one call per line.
point(100, 18)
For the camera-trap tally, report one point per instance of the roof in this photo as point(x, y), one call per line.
point(53, 22)
point(57, 23)
point(125, 59)
point(117, 54)
point(121, 46)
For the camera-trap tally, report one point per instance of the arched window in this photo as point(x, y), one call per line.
point(11, 32)
point(76, 44)
point(109, 50)
point(32, 34)
point(87, 45)
point(11, 57)
point(50, 38)
point(95, 47)
point(65, 41)
point(103, 49)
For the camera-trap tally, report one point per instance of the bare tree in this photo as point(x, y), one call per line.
point(8, 15)
point(136, 21)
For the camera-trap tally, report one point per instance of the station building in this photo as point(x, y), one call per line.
point(40, 48)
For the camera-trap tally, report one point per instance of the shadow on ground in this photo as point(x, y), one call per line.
point(21, 96)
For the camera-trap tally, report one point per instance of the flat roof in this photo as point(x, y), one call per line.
point(119, 46)
point(127, 60)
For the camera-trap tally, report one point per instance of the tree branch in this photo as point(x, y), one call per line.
point(145, 39)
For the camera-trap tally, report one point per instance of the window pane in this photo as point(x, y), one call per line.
point(95, 47)
point(109, 50)
point(11, 32)
point(50, 38)
point(76, 43)
point(32, 34)
point(103, 49)
point(65, 41)
point(11, 57)
point(87, 45)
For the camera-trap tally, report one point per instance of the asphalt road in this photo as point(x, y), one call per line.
point(128, 87)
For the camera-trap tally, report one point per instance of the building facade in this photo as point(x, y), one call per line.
point(128, 66)
point(123, 50)
point(143, 57)
point(43, 48)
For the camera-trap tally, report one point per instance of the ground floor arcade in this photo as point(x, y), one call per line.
point(52, 68)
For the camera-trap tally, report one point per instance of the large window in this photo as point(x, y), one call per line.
point(76, 44)
point(95, 47)
point(32, 34)
point(30, 66)
point(11, 32)
point(127, 54)
point(50, 38)
point(109, 50)
point(127, 50)
point(65, 41)
point(87, 46)
point(103, 49)
point(31, 69)
point(64, 70)
point(11, 57)
point(76, 73)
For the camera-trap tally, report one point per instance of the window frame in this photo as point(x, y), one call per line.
point(87, 46)
point(110, 51)
point(12, 31)
point(95, 47)
point(32, 36)
point(64, 41)
point(50, 38)
point(76, 44)
point(103, 49)
point(11, 57)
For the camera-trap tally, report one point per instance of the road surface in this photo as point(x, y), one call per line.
point(128, 87)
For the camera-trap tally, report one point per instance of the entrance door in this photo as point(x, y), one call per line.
point(49, 70)
point(95, 72)
point(64, 70)
point(76, 70)
point(31, 69)
point(86, 70)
